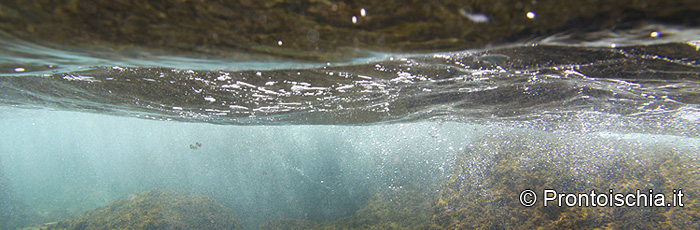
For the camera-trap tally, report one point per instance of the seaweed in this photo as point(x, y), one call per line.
point(155, 209)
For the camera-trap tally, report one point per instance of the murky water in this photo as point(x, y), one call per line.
point(356, 143)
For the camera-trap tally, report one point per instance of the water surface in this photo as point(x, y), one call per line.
point(275, 138)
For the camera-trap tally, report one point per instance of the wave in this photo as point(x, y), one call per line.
point(646, 86)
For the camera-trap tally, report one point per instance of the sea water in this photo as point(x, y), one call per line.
point(63, 163)
point(318, 141)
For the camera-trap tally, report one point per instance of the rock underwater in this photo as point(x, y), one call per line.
point(483, 190)
point(155, 209)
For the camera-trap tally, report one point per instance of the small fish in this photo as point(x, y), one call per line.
point(476, 18)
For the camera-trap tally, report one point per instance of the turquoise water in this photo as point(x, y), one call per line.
point(63, 163)
point(271, 140)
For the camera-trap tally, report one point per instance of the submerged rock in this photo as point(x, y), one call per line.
point(322, 30)
point(397, 208)
point(156, 209)
point(484, 191)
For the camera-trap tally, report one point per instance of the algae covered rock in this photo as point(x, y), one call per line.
point(394, 208)
point(156, 209)
point(289, 224)
point(321, 30)
point(489, 176)
point(484, 191)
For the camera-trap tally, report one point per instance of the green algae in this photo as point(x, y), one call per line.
point(155, 209)
point(320, 30)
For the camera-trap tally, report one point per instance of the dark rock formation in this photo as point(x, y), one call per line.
point(321, 30)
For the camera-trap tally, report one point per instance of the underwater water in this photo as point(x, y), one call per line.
point(63, 163)
point(389, 140)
